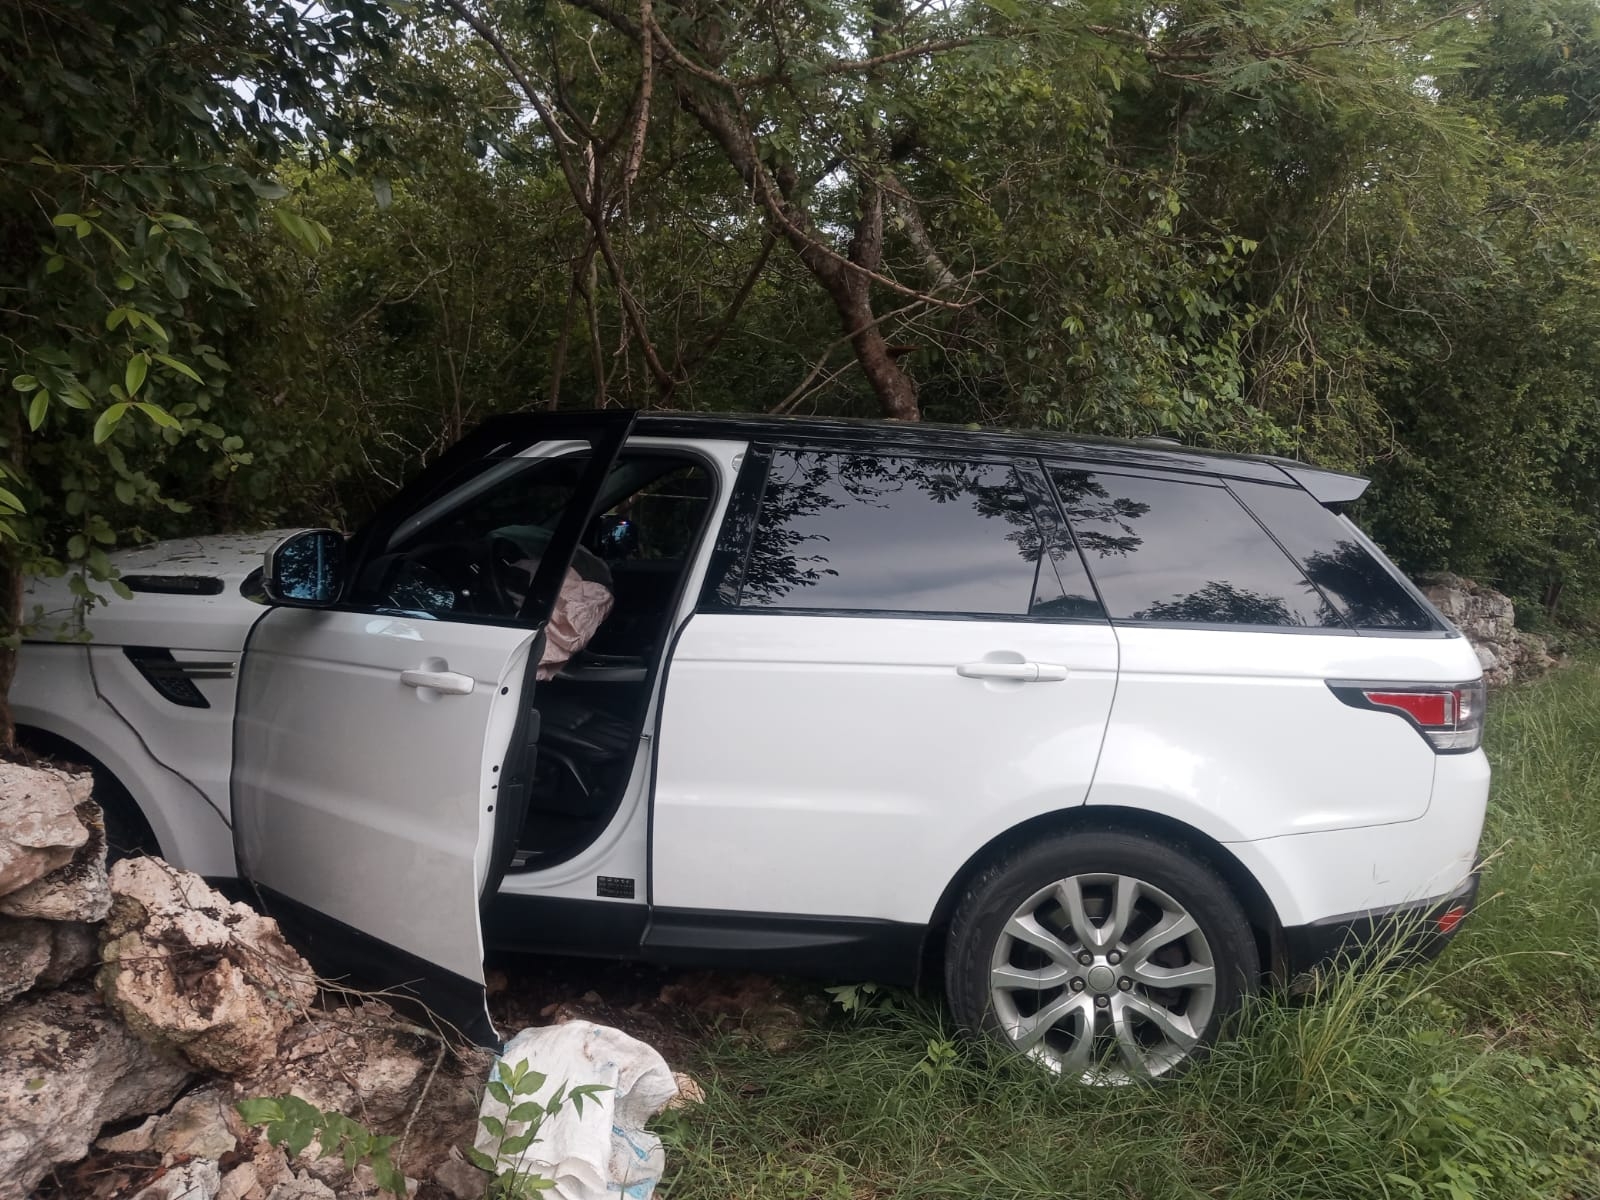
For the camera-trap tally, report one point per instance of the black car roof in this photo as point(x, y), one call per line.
point(1329, 487)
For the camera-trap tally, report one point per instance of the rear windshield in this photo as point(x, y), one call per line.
point(1369, 596)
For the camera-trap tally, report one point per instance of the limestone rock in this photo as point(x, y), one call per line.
point(25, 952)
point(1488, 619)
point(77, 891)
point(39, 825)
point(66, 1068)
point(365, 1062)
point(302, 1187)
point(196, 1127)
point(197, 1180)
point(460, 1178)
point(130, 1141)
point(188, 970)
point(258, 1175)
point(74, 950)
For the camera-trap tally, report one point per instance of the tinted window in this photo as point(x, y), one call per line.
point(1170, 550)
point(868, 532)
point(1334, 560)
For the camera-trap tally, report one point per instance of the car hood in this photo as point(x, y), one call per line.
point(196, 593)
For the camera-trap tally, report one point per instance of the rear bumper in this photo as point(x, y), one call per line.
point(1405, 932)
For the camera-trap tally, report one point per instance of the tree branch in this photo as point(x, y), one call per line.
point(665, 381)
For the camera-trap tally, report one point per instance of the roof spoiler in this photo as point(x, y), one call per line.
point(1326, 487)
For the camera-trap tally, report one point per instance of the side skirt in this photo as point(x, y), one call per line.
point(838, 948)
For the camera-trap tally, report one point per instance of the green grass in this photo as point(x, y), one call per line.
point(1477, 1076)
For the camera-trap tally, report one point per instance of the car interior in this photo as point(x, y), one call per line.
point(592, 712)
point(473, 553)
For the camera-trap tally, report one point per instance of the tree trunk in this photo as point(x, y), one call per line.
point(850, 290)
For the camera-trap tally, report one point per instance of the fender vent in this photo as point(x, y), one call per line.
point(174, 679)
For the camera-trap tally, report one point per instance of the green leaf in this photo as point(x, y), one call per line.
point(478, 1158)
point(516, 1145)
point(124, 281)
point(389, 1177)
point(108, 422)
point(259, 1111)
point(530, 1083)
point(77, 546)
point(66, 220)
point(125, 491)
point(500, 1092)
point(53, 264)
point(24, 383)
point(493, 1126)
point(133, 377)
point(158, 414)
point(38, 409)
point(9, 498)
point(178, 365)
point(267, 189)
point(177, 281)
point(122, 589)
point(528, 1110)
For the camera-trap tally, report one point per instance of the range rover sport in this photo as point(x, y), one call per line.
point(1108, 734)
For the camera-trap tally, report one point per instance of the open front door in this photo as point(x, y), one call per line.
point(384, 739)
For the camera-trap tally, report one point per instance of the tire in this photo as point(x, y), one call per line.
point(128, 834)
point(1084, 996)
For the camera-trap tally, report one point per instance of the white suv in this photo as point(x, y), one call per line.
point(1109, 733)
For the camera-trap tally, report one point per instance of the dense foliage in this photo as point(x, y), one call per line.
point(1364, 233)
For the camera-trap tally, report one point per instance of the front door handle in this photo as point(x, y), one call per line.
point(451, 683)
point(1023, 672)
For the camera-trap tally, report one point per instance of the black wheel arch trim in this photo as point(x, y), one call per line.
point(1259, 910)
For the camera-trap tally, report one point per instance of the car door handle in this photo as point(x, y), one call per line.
point(1024, 672)
point(451, 683)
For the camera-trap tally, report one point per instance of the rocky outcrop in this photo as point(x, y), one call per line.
point(189, 987)
point(1488, 619)
point(39, 826)
point(43, 954)
point(52, 877)
point(67, 1066)
point(189, 971)
point(76, 891)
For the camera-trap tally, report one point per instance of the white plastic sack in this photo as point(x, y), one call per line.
point(604, 1152)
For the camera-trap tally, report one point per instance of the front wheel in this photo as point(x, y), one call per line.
point(1107, 957)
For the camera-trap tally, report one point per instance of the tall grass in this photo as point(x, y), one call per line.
point(1475, 1077)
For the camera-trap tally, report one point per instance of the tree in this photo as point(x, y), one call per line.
point(133, 135)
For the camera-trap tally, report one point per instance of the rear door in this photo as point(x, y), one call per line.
point(896, 657)
point(383, 745)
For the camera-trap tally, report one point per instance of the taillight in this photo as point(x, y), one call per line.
point(1449, 716)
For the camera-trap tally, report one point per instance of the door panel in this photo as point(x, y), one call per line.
point(383, 745)
point(358, 785)
point(845, 766)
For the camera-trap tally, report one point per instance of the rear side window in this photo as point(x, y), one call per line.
point(858, 532)
point(1169, 550)
point(1369, 595)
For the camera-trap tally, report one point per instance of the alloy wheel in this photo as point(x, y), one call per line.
point(1104, 978)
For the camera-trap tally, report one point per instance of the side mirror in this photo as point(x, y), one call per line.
point(306, 569)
